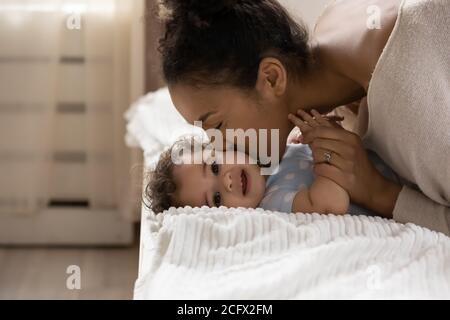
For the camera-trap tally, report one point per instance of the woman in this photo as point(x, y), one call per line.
point(247, 64)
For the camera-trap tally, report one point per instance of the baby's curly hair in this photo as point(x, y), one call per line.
point(161, 186)
point(158, 194)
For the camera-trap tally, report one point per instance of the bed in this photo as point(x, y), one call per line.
point(203, 253)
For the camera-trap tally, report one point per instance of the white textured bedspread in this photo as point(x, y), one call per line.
point(255, 254)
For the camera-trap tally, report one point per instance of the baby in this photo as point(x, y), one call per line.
point(215, 183)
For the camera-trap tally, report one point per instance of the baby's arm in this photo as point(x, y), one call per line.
point(324, 196)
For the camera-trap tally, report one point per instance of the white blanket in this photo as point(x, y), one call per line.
point(256, 254)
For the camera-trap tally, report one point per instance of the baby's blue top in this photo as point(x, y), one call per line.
point(295, 173)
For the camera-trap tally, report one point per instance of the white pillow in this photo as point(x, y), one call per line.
point(154, 124)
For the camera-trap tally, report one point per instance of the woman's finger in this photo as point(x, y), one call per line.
point(342, 149)
point(312, 121)
point(331, 134)
point(328, 157)
point(304, 127)
point(334, 118)
point(323, 121)
point(335, 121)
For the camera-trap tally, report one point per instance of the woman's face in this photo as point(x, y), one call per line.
point(229, 108)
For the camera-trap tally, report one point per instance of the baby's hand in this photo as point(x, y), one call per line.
point(306, 122)
point(295, 137)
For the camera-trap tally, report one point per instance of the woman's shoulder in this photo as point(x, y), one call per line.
point(350, 36)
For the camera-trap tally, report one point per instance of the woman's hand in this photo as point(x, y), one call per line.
point(295, 137)
point(340, 156)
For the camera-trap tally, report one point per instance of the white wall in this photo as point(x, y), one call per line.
point(306, 10)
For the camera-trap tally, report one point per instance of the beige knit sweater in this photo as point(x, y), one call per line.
point(409, 111)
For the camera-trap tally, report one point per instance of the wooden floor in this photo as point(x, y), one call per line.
point(40, 273)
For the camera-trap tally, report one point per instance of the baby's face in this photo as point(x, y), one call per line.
point(219, 184)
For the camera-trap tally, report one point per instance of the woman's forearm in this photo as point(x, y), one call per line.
point(414, 207)
point(383, 197)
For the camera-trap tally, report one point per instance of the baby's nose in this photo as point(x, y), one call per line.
point(228, 182)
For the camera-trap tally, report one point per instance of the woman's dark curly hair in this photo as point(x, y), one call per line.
point(222, 42)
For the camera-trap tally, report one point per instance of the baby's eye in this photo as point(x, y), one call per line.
point(217, 199)
point(215, 168)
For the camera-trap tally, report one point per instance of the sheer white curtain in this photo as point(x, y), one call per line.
point(29, 55)
point(32, 35)
point(114, 64)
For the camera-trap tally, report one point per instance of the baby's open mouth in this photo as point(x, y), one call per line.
point(244, 182)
